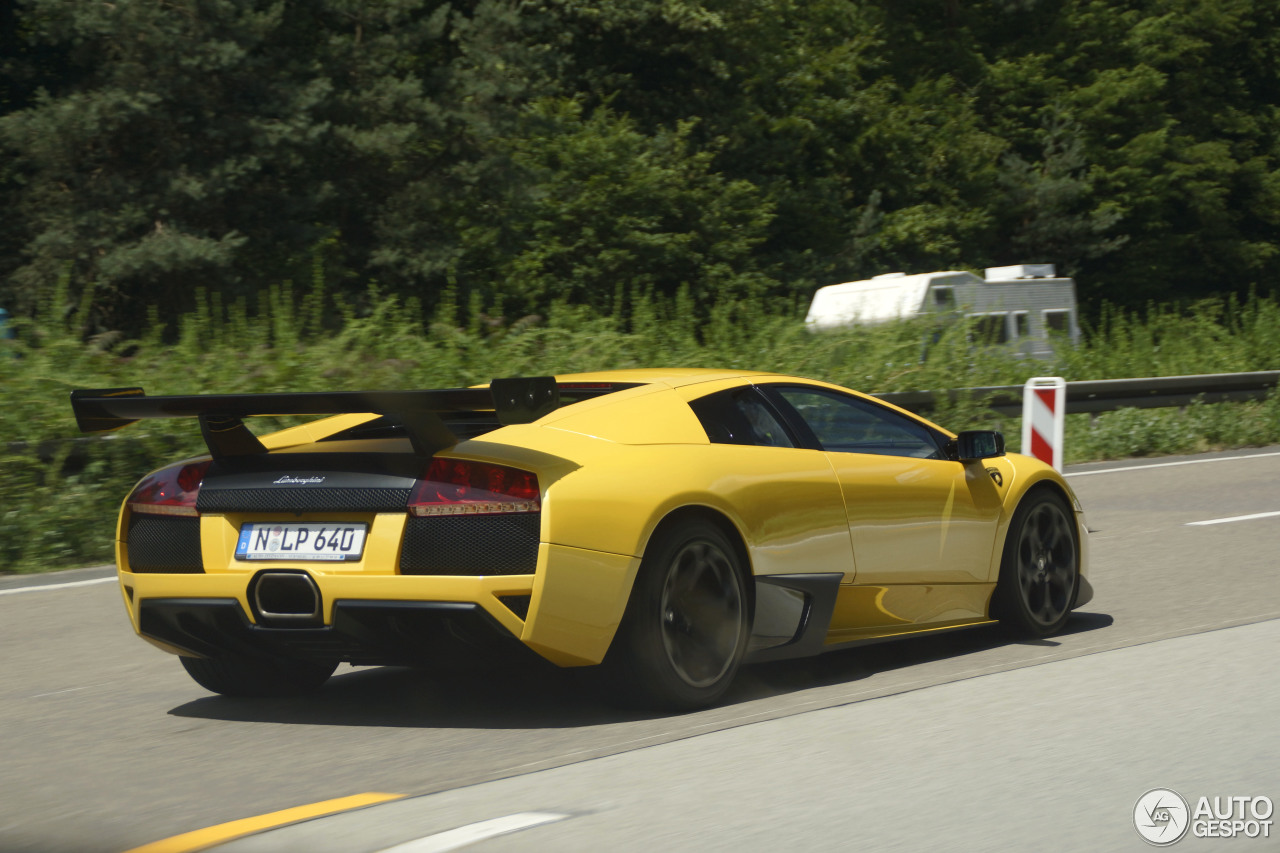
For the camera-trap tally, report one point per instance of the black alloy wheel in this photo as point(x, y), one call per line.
point(702, 613)
point(1040, 568)
point(687, 623)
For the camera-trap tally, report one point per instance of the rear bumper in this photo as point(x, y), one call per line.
point(361, 632)
point(567, 612)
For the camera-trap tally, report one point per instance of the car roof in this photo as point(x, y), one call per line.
point(674, 377)
point(678, 377)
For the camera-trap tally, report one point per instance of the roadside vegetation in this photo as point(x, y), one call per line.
point(59, 492)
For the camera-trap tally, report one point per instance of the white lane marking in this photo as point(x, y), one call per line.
point(1233, 518)
point(69, 690)
point(454, 839)
point(67, 585)
point(1170, 464)
point(39, 696)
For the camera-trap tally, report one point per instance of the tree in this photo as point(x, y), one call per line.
point(208, 143)
point(603, 207)
point(1143, 142)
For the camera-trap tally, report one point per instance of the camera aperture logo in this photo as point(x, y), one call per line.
point(1162, 817)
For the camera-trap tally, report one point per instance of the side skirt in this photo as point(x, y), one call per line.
point(792, 616)
point(908, 632)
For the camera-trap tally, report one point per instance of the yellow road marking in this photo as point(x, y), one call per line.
point(201, 839)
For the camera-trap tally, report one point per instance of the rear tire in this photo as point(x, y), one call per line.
point(257, 677)
point(1040, 567)
point(686, 626)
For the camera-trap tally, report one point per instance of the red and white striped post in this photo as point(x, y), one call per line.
point(1044, 409)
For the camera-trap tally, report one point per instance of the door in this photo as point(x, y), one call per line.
point(915, 516)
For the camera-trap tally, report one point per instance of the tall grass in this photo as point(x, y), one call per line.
point(59, 493)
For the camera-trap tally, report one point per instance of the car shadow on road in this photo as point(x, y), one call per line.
point(536, 695)
point(524, 696)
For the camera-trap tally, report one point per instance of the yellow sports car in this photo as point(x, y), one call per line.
point(668, 525)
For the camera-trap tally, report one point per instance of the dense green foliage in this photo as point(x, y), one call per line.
point(527, 153)
point(59, 492)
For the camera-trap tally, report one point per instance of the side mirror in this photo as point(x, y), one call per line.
point(976, 444)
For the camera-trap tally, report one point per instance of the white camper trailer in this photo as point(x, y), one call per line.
point(1025, 306)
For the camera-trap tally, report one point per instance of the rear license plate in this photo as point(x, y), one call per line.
point(291, 540)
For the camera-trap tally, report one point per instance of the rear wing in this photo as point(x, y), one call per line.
point(514, 401)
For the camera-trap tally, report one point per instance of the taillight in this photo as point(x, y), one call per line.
point(463, 487)
point(170, 491)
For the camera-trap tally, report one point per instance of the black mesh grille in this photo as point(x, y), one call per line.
point(162, 543)
point(500, 544)
point(517, 604)
point(302, 500)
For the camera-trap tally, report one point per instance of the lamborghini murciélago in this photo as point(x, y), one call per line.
point(667, 525)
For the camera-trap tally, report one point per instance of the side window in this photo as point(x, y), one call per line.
point(740, 416)
point(989, 329)
point(1057, 320)
point(852, 425)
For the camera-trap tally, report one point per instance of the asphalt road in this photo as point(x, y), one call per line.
point(962, 741)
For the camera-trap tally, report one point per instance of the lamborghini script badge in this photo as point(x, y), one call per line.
point(286, 480)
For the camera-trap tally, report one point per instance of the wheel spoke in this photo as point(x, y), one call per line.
point(1032, 544)
point(1026, 578)
point(687, 574)
point(1047, 612)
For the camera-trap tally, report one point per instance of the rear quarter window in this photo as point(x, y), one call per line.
point(740, 416)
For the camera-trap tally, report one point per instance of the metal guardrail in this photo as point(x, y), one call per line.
point(1107, 395)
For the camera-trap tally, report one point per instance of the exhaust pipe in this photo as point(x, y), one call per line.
point(288, 597)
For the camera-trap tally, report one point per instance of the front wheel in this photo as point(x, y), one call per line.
point(686, 626)
point(1040, 567)
point(233, 675)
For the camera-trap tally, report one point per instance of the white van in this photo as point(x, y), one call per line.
point(1024, 306)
